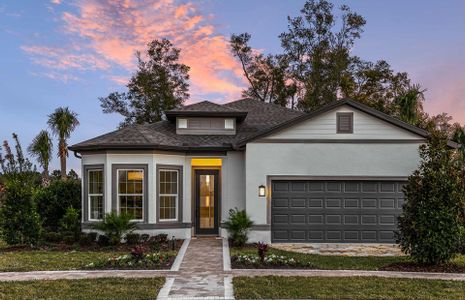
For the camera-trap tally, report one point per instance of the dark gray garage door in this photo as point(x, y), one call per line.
point(335, 211)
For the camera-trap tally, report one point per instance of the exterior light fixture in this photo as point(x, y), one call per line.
point(261, 191)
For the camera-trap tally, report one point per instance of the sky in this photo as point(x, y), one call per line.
point(71, 52)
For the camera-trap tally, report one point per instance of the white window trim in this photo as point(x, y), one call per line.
point(89, 195)
point(229, 124)
point(182, 123)
point(118, 194)
point(170, 195)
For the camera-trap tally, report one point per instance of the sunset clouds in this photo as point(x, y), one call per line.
point(104, 35)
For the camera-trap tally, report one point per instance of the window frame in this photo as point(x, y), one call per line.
point(179, 197)
point(169, 195)
point(118, 194)
point(351, 117)
point(89, 195)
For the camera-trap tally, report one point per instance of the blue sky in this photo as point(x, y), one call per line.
point(69, 53)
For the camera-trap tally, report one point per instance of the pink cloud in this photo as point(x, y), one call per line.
point(108, 32)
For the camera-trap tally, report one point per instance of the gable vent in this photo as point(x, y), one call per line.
point(345, 122)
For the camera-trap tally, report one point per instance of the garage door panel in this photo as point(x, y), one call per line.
point(335, 211)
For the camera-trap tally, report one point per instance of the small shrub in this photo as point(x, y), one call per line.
point(52, 237)
point(262, 249)
point(429, 226)
point(53, 201)
point(69, 239)
point(151, 261)
point(103, 240)
point(116, 226)
point(133, 238)
point(138, 253)
point(19, 221)
point(86, 239)
point(92, 236)
point(144, 238)
point(71, 223)
point(238, 226)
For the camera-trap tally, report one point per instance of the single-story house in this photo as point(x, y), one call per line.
point(334, 175)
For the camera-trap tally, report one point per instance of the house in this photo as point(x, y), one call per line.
point(334, 175)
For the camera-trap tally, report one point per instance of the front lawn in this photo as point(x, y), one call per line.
point(247, 258)
point(96, 289)
point(354, 288)
point(22, 261)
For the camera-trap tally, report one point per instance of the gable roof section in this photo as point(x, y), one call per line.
point(205, 109)
point(333, 105)
point(162, 135)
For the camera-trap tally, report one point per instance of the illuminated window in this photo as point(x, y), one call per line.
point(169, 194)
point(95, 194)
point(131, 192)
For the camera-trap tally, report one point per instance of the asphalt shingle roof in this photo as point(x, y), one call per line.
point(261, 117)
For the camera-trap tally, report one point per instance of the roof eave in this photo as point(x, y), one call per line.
point(80, 149)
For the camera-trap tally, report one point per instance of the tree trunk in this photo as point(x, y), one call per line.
point(63, 159)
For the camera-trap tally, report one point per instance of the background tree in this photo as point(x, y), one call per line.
point(430, 224)
point(63, 122)
point(409, 104)
point(41, 149)
point(160, 83)
point(267, 75)
point(316, 66)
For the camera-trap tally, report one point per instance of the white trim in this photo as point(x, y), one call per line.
point(89, 195)
point(180, 257)
point(165, 169)
point(118, 202)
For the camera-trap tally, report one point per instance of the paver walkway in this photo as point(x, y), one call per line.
point(205, 273)
point(201, 274)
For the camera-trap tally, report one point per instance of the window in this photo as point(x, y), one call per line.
point(182, 123)
point(228, 124)
point(345, 122)
point(168, 194)
point(130, 192)
point(95, 193)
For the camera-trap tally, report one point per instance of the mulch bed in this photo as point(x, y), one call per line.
point(414, 267)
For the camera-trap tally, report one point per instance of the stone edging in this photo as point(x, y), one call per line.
point(177, 262)
point(226, 256)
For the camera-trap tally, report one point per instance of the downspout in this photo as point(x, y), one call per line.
point(77, 155)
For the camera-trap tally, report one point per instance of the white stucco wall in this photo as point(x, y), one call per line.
point(232, 181)
point(269, 159)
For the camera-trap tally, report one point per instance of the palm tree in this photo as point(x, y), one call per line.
point(63, 122)
point(410, 104)
point(41, 149)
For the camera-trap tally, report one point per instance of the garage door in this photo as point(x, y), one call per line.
point(335, 211)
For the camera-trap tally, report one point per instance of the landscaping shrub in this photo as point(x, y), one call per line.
point(238, 226)
point(69, 239)
point(86, 239)
point(70, 224)
point(52, 237)
point(429, 226)
point(139, 260)
point(103, 240)
point(116, 226)
point(144, 238)
point(54, 200)
point(262, 250)
point(133, 238)
point(19, 221)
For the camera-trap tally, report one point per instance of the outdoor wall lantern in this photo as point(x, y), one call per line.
point(262, 191)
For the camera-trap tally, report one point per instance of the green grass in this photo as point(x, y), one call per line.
point(354, 288)
point(331, 262)
point(22, 261)
point(95, 289)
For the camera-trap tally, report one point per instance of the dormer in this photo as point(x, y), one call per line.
point(205, 118)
